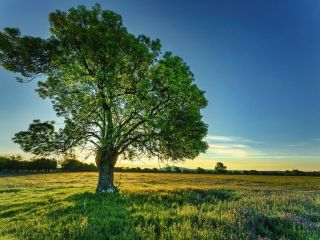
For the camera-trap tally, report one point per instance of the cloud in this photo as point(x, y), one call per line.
point(221, 138)
point(230, 151)
point(298, 144)
point(231, 146)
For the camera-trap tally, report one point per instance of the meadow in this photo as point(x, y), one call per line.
point(159, 206)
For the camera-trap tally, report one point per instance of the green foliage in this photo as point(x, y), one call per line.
point(152, 206)
point(26, 55)
point(37, 137)
point(118, 94)
point(220, 168)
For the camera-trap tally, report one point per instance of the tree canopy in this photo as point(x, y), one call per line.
point(117, 93)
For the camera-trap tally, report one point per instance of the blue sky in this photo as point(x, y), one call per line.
point(258, 62)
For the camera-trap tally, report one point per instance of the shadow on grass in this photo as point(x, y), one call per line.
point(129, 215)
point(193, 197)
point(94, 216)
point(182, 214)
point(138, 215)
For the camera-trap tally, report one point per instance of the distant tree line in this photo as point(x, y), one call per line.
point(71, 164)
point(221, 169)
point(74, 165)
point(15, 163)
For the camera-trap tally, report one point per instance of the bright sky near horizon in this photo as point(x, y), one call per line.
point(258, 61)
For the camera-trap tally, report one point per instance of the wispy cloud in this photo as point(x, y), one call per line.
point(221, 138)
point(231, 146)
point(298, 144)
point(230, 151)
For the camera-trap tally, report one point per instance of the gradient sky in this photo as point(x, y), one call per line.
point(258, 61)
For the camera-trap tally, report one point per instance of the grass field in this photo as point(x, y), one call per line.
point(159, 206)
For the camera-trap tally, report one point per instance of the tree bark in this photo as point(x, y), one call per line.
point(105, 162)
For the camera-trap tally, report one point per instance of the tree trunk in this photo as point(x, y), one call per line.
point(105, 162)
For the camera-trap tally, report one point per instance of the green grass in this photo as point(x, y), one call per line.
point(159, 206)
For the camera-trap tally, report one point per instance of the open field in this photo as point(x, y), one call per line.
point(159, 206)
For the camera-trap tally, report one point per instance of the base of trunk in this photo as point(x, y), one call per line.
point(110, 189)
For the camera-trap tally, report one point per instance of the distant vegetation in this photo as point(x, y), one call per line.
point(16, 164)
point(220, 168)
point(76, 165)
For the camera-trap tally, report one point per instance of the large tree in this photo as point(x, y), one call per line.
point(118, 93)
